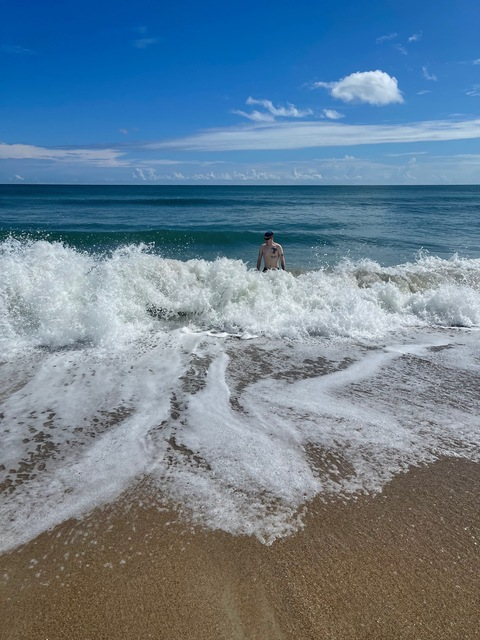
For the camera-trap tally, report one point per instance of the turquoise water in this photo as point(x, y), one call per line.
point(317, 226)
point(139, 347)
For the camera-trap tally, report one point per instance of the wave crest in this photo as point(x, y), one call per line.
point(54, 295)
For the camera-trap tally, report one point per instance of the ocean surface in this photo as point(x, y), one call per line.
point(139, 347)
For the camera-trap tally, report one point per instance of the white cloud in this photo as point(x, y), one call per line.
point(303, 135)
point(124, 131)
point(414, 169)
point(170, 162)
point(19, 178)
point(145, 174)
point(143, 43)
point(272, 112)
point(101, 157)
point(249, 175)
point(331, 114)
point(285, 112)
point(474, 91)
point(17, 50)
point(477, 61)
point(205, 176)
point(174, 176)
point(371, 87)
point(307, 176)
point(391, 36)
point(427, 75)
point(415, 37)
point(401, 48)
point(256, 116)
point(407, 153)
point(252, 175)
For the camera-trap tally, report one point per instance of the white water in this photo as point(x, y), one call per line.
point(54, 296)
point(98, 392)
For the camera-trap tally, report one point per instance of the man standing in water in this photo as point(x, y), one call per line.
point(271, 252)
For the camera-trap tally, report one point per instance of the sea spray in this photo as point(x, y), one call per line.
point(53, 295)
point(126, 366)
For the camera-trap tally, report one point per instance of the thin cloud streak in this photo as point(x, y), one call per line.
point(100, 157)
point(382, 39)
point(303, 135)
point(15, 49)
point(290, 111)
point(143, 43)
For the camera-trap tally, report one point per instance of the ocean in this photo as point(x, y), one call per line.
point(140, 347)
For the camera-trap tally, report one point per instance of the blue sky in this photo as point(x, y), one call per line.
point(145, 92)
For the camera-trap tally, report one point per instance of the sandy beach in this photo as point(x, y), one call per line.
point(404, 564)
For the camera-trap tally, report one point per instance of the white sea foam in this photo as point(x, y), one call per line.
point(52, 295)
point(128, 366)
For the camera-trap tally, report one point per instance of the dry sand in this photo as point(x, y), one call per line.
point(403, 564)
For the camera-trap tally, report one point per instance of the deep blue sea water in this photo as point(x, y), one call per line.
point(316, 225)
point(140, 347)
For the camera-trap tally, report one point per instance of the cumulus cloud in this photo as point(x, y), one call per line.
point(271, 112)
point(307, 176)
point(144, 174)
point(412, 169)
point(234, 176)
point(331, 114)
point(427, 75)
point(371, 87)
point(174, 176)
point(251, 175)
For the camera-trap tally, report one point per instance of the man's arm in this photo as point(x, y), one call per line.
point(259, 259)
point(282, 258)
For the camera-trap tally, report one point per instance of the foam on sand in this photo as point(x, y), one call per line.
point(349, 376)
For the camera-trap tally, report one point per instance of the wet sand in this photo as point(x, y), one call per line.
point(401, 565)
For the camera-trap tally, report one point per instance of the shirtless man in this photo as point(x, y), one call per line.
point(271, 252)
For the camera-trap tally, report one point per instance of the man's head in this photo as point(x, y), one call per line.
point(268, 236)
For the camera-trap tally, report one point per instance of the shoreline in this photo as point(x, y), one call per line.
point(403, 564)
